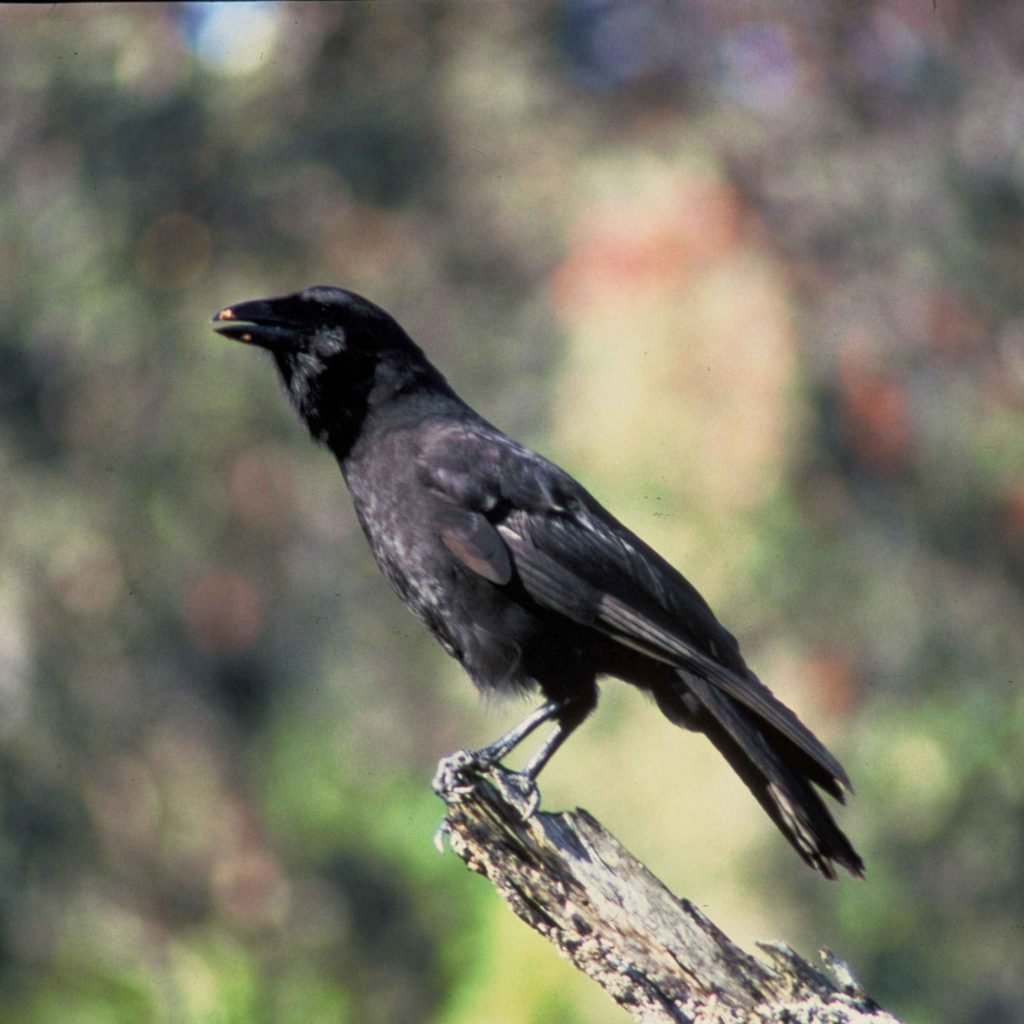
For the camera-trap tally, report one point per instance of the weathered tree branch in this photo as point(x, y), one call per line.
point(656, 955)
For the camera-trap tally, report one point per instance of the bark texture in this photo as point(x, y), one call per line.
point(655, 954)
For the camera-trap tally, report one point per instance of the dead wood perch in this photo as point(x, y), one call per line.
point(656, 955)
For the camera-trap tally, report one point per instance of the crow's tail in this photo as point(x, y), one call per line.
point(776, 770)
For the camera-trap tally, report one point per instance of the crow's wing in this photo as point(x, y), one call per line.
point(586, 557)
point(477, 544)
point(575, 558)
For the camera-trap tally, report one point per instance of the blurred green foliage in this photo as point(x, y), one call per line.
point(754, 273)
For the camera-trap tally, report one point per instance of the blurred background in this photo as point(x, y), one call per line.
point(753, 272)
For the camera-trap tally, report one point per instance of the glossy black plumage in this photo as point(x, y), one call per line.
point(519, 572)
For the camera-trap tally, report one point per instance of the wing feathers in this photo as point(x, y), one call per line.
point(650, 629)
point(472, 540)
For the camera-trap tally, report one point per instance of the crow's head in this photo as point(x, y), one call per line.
point(321, 322)
point(338, 354)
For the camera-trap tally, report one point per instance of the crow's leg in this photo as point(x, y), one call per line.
point(570, 716)
point(520, 788)
point(494, 752)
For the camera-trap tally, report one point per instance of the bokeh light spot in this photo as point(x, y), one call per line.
point(235, 38)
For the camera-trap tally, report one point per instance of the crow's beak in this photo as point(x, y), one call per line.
point(257, 323)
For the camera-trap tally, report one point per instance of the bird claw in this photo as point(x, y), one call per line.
point(451, 782)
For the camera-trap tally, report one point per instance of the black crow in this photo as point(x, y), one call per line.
point(519, 573)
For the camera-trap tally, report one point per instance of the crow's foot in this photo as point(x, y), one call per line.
point(454, 779)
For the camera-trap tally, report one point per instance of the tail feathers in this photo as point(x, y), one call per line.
point(779, 774)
